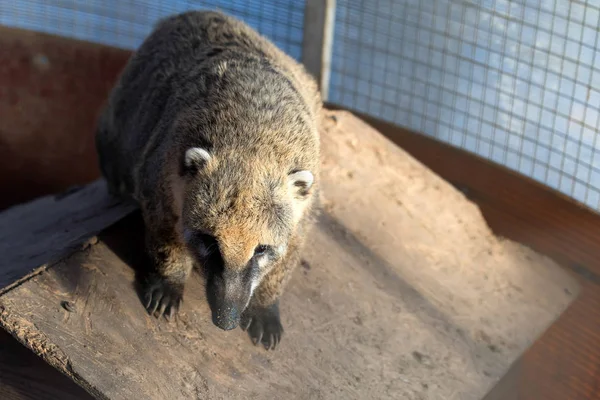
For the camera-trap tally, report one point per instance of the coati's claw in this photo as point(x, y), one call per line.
point(245, 324)
point(263, 326)
point(163, 298)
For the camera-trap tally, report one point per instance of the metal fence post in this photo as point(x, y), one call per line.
point(319, 19)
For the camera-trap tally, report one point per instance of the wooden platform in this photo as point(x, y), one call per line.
point(65, 81)
point(403, 293)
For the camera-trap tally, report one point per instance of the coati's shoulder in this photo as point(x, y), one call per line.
point(217, 31)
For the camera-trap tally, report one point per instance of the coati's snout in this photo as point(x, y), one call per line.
point(228, 288)
point(228, 295)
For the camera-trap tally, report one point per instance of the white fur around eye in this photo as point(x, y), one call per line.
point(303, 179)
point(196, 156)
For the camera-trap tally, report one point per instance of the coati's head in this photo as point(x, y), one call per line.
point(238, 216)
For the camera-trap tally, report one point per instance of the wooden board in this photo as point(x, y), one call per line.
point(35, 234)
point(403, 293)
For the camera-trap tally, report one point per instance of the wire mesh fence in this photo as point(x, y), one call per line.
point(125, 23)
point(516, 82)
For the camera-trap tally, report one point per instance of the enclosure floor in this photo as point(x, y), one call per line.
point(563, 365)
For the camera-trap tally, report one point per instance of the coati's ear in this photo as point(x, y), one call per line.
point(300, 182)
point(195, 158)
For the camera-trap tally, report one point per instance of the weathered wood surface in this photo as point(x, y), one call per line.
point(403, 293)
point(317, 42)
point(35, 234)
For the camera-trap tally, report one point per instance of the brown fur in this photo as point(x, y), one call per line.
point(205, 80)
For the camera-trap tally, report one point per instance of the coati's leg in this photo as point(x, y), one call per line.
point(171, 266)
point(261, 318)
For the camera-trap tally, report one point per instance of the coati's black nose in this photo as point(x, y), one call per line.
point(227, 296)
point(227, 318)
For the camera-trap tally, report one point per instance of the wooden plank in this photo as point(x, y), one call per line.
point(317, 41)
point(50, 90)
point(565, 362)
point(404, 293)
point(35, 234)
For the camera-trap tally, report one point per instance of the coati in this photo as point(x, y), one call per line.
point(213, 131)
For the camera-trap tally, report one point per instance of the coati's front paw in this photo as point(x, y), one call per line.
point(263, 325)
point(162, 297)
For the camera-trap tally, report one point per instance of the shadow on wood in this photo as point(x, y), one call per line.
point(22, 376)
point(35, 234)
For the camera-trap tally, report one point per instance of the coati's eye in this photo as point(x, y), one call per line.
point(260, 250)
point(207, 243)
